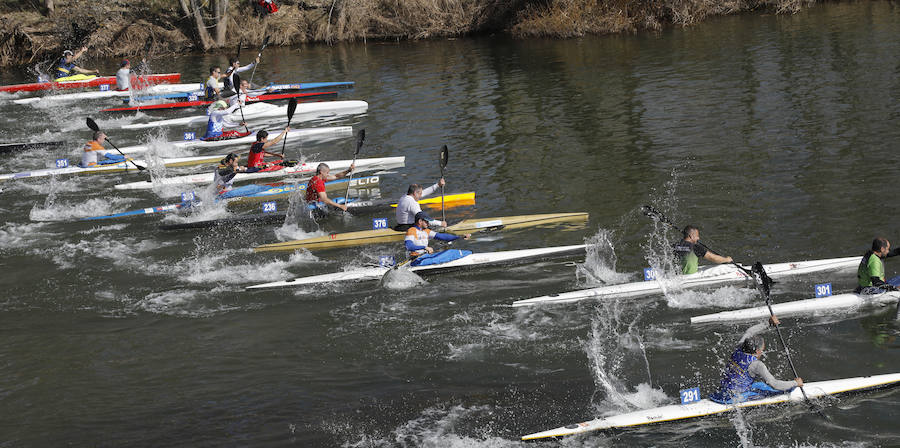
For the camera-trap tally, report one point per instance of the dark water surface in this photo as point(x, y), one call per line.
point(774, 134)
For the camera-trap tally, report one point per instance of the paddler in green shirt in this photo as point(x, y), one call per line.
point(871, 269)
point(689, 251)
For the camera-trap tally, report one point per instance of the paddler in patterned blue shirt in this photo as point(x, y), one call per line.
point(870, 274)
point(689, 251)
point(66, 65)
point(417, 236)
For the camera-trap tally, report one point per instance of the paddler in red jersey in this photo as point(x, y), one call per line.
point(315, 189)
point(258, 149)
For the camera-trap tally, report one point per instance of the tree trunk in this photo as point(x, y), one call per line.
point(191, 9)
point(221, 21)
point(49, 5)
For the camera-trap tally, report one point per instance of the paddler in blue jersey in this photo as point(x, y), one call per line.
point(417, 236)
point(870, 274)
point(689, 251)
point(219, 118)
point(67, 67)
point(746, 377)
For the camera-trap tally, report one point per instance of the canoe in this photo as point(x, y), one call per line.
point(706, 407)
point(111, 93)
point(112, 167)
point(474, 260)
point(301, 169)
point(356, 206)
point(819, 305)
point(328, 132)
point(250, 99)
point(248, 193)
point(304, 112)
point(706, 276)
point(93, 82)
point(295, 86)
point(336, 240)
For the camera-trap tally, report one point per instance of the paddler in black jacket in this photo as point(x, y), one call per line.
point(871, 268)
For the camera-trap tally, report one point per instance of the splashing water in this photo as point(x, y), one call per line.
point(725, 297)
point(599, 265)
point(658, 248)
point(401, 278)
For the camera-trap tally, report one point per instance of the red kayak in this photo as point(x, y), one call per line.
point(93, 82)
point(250, 99)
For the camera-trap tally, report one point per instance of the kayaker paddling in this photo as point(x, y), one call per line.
point(219, 118)
point(67, 66)
point(689, 251)
point(870, 274)
point(417, 236)
point(315, 189)
point(225, 173)
point(234, 66)
point(94, 152)
point(212, 84)
point(258, 149)
point(408, 206)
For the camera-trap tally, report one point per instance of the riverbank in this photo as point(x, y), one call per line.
point(31, 34)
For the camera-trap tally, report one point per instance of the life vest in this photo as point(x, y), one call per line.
point(418, 237)
point(685, 257)
point(736, 380)
point(210, 91)
point(224, 177)
point(255, 158)
point(216, 124)
point(63, 69)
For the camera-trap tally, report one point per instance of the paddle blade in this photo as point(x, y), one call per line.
point(292, 107)
point(360, 138)
point(265, 44)
point(761, 278)
point(445, 154)
point(92, 124)
point(237, 81)
point(240, 45)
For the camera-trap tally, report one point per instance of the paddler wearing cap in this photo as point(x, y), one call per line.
point(745, 376)
point(219, 117)
point(417, 236)
point(67, 67)
point(408, 206)
point(315, 189)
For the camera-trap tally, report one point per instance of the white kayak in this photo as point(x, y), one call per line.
point(468, 261)
point(705, 276)
point(111, 93)
point(308, 133)
point(112, 167)
point(705, 407)
point(301, 169)
point(819, 305)
point(304, 112)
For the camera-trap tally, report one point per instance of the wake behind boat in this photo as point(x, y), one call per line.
point(471, 260)
point(128, 165)
point(706, 407)
point(304, 112)
point(706, 276)
point(328, 132)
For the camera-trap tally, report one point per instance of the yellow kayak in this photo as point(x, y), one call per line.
point(335, 240)
point(455, 198)
point(78, 77)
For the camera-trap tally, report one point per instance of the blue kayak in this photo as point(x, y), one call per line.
point(200, 93)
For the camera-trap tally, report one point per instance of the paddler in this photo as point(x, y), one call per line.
point(219, 118)
point(870, 274)
point(689, 251)
point(408, 206)
point(234, 66)
point(315, 189)
point(123, 76)
point(66, 65)
point(258, 150)
point(745, 376)
point(94, 152)
point(212, 84)
point(228, 168)
point(417, 236)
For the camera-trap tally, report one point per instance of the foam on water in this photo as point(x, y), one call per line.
point(294, 231)
point(599, 265)
point(18, 236)
point(400, 279)
point(67, 211)
point(213, 267)
point(126, 252)
point(158, 145)
point(183, 303)
point(725, 297)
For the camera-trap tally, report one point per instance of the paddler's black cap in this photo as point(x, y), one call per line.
point(752, 344)
point(422, 215)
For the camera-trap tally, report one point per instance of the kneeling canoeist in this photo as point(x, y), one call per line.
point(258, 150)
point(94, 152)
point(417, 237)
point(871, 269)
point(689, 251)
point(66, 65)
point(746, 377)
point(315, 189)
point(219, 117)
point(408, 206)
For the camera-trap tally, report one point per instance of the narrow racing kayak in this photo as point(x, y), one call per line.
point(335, 240)
point(304, 112)
point(472, 260)
point(706, 407)
point(111, 167)
point(328, 132)
point(295, 86)
point(110, 93)
point(706, 276)
point(89, 82)
point(819, 305)
point(301, 169)
point(250, 99)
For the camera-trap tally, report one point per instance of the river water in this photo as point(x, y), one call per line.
point(773, 134)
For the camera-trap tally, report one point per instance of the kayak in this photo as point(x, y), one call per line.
point(111, 167)
point(96, 94)
point(295, 86)
point(250, 99)
point(307, 133)
point(706, 407)
point(304, 112)
point(247, 193)
point(301, 169)
point(706, 275)
point(472, 260)
point(91, 82)
point(335, 240)
point(355, 206)
point(6, 148)
point(819, 305)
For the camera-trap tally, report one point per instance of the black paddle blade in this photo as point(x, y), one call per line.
point(360, 138)
point(265, 44)
point(292, 107)
point(237, 82)
point(657, 215)
point(92, 124)
point(763, 281)
point(240, 45)
point(445, 154)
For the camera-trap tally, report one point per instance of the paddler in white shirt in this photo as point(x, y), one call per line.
point(408, 206)
point(219, 118)
point(234, 66)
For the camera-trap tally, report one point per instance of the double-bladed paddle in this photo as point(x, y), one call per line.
point(93, 125)
point(360, 137)
point(292, 106)
point(237, 88)
point(258, 55)
point(445, 153)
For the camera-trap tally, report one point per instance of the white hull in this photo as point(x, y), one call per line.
point(112, 93)
point(707, 275)
point(475, 259)
point(308, 133)
point(705, 407)
point(114, 167)
point(821, 305)
point(304, 112)
point(302, 169)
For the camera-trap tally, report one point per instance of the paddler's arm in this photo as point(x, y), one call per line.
point(759, 371)
point(323, 197)
point(430, 190)
point(755, 330)
point(715, 258)
point(449, 237)
point(86, 71)
point(276, 140)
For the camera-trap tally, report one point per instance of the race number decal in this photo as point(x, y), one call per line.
point(187, 196)
point(823, 290)
point(269, 207)
point(386, 261)
point(649, 274)
point(379, 223)
point(690, 395)
point(104, 87)
point(62, 163)
point(190, 136)
point(192, 97)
